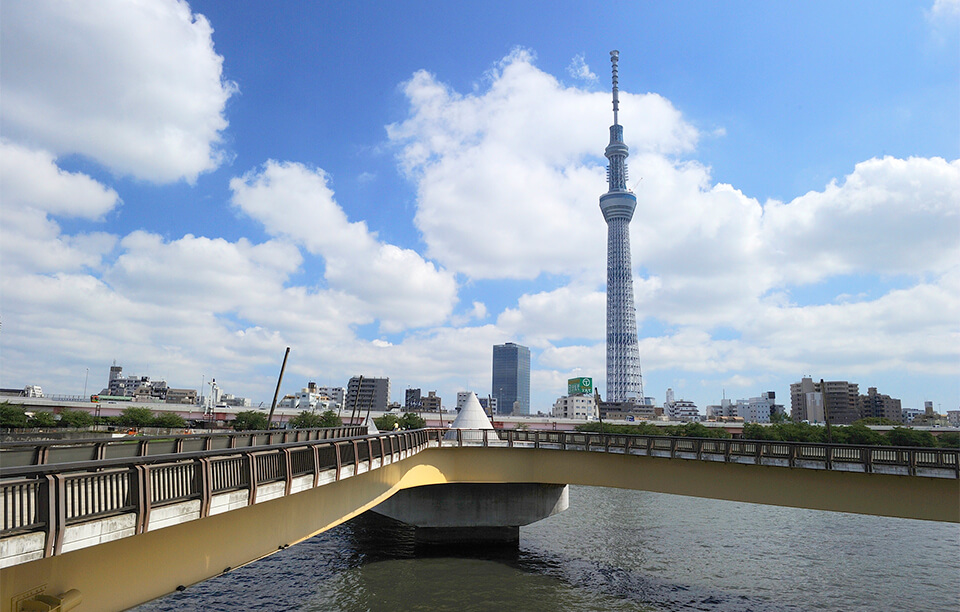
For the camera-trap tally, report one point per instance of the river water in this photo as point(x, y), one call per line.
point(612, 550)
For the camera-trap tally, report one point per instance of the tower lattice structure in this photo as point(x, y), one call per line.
point(624, 379)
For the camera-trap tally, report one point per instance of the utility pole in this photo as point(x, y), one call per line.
point(596, 397)
point(273, 405)
point(826, 417)
point(356, 399)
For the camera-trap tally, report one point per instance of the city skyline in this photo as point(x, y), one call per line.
point(189, 189)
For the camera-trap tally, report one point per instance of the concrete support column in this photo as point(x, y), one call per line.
point(471, 512)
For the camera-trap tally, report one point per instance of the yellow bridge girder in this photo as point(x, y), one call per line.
point(122, 573)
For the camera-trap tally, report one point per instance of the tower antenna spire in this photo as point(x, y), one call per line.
point(614, 59)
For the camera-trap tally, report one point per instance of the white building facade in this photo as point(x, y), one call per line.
point(579, 407)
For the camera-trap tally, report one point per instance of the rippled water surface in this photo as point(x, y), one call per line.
point(612, 550)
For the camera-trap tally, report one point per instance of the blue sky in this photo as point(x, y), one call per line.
point(391, 188)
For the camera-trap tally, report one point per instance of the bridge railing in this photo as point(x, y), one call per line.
point(50, 498)
point(44, 452)
point(912, 461)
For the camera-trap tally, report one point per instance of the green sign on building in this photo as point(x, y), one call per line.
point(579, 386)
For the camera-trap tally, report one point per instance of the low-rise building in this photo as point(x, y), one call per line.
point(431, 403)
point(682, 410)
point(181, 396)
point(582, 407)
point(229, 399)
point(489, 404)
point(311, 399)
point(908, 415)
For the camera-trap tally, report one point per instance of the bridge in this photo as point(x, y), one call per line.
point(116, 522)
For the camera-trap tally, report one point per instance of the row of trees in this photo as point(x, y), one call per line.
point(857, 433)
point(409, 420)
point(14, 416)
point(252, 420)
point(788, 431)
point(687, 430)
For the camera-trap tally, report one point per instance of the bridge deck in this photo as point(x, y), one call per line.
point(61, 520)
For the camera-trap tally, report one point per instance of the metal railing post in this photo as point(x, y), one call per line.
point(205, 485)
point(252, 471)
point(49, 511)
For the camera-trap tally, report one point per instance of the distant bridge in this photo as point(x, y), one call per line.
point(118, 521)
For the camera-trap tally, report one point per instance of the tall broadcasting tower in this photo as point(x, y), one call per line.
point(623, 354)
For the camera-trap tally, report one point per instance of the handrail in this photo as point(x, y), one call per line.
point(96, 464)
point(760, 452)
point(39, 452)
point(49, 498)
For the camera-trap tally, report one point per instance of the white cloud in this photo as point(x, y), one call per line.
point(549, 316)
point(34, 189)
point(136, 86)
point(890, 216)
point(32, 243)
point(508, 180)
point(32, 178)
point(944, 10)
point(153, 270)
point(578, 69)
point(397, 286)
point(518, 162)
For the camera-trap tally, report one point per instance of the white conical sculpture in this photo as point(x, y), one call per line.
point(371, 426)
point(471, 417)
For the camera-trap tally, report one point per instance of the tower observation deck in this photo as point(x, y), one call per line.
point(617, 206)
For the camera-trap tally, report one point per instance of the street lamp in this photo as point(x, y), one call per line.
point(85, 377)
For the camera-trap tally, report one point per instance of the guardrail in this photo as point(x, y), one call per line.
point(52, 497)
point(45, 452)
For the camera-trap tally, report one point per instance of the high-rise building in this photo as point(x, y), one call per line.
point(877, 405)
point(511, 378)
point(840, 401)
point(617, 205)
point(367, 393)
point(836, 401)
point(411, 400)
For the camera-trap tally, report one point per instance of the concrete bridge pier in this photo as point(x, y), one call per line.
point(474, 512)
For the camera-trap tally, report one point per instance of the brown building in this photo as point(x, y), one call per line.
point(181, 396)
point(431, 402)
point(876, 405)
point(836, 401)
